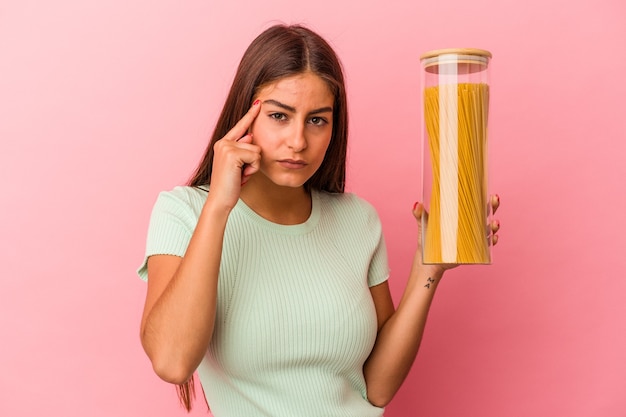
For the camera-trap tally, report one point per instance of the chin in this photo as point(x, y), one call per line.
point(288, 180)
point(289, 184)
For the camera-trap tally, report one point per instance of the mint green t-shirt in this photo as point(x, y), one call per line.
point(295, 320)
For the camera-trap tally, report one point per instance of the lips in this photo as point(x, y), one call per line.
point(292, 163)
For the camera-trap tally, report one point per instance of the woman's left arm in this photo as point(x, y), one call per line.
point(400, 331)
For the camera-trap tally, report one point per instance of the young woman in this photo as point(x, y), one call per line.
point(263, 275)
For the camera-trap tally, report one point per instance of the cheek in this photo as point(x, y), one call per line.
point(323, 142)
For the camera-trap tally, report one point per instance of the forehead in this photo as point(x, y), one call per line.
point(300, 87)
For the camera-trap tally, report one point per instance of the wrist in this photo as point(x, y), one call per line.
point(215, 212)
point(434, 270)
point(216, 205)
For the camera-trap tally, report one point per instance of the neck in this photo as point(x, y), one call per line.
point(282, 205)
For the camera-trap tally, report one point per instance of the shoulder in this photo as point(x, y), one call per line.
point(172, 222)
point(185, 193)
point(183, 197)
point(183, 203)
point(349, 204)
point(347, 200)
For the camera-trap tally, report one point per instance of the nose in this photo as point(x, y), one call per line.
point(297, 139)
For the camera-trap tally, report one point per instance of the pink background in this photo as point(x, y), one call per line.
point(103, 104)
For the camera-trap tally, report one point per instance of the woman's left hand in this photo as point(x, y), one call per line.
point(492, 230)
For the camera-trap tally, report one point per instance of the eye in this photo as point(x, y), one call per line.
point(318, 121)
point(280, 117)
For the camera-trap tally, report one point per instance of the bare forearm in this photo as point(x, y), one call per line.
point(178, 328)
point(399, 339)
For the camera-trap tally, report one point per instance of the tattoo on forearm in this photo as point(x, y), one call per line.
point(428, 282)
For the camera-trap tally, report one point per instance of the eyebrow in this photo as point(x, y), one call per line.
point(293, 109)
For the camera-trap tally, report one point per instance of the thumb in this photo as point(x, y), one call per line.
point(247, 138)
point(419, 211)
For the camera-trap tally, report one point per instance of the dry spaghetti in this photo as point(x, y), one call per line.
point(456, 123)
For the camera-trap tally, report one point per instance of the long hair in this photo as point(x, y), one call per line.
point(282, 51)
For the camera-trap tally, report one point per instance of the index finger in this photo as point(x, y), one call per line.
point(242, 126)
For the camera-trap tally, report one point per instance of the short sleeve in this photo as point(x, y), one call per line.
point(379, 265)
point(172, 223)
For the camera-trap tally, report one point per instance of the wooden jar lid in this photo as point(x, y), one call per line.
point(467, 59)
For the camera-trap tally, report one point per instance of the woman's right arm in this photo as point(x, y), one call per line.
point(179, 312)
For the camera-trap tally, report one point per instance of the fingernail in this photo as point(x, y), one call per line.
point(415, 205)
point(256, 102)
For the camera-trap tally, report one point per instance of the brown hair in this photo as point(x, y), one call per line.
point(282, 51)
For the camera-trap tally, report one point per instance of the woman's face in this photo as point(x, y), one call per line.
point(293, 128)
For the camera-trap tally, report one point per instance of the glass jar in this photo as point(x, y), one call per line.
point(455, 98)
